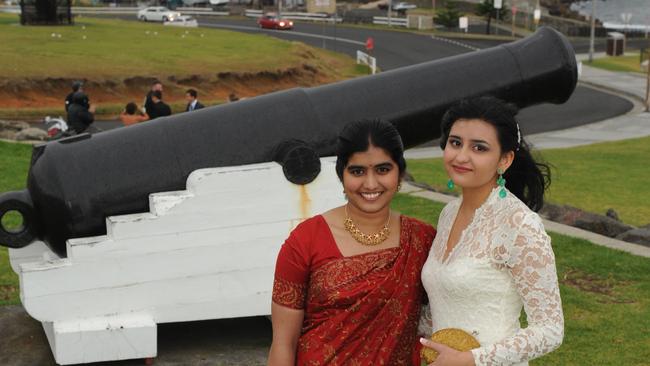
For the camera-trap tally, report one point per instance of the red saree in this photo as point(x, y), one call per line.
point(359, 310)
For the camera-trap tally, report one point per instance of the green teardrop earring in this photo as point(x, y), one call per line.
point(450, 184)
point(501, 181)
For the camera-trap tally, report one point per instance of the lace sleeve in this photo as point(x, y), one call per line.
point(531, 263)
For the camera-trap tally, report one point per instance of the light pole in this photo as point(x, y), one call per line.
point(592, 35)
point(647, 89)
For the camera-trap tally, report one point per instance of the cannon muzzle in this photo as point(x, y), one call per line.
point(75, 183)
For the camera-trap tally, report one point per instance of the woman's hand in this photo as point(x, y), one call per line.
point(448, 356)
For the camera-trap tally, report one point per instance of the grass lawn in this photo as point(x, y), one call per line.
point(605, 293)
point(594, 177)
point(117, 49)
point(630, 62)
point(14, 164)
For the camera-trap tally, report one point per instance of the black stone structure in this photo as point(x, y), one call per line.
point(75, 183)
point(45, 12)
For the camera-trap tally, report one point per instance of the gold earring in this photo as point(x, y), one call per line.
point(399, 186)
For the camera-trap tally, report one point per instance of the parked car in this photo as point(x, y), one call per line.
point(217, 4)
point(157, 14)
point(400, 7)
point(272, 21)
point(183, 21)
point(191, 3)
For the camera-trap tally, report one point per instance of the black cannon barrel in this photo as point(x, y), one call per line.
point(75, 183)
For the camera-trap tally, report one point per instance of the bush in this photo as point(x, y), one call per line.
point(448, 16)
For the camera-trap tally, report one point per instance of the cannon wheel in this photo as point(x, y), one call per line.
point(19, 202)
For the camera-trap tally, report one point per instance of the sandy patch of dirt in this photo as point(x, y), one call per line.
point(50, 92)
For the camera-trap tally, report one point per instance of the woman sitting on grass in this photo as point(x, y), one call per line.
point(131, 115)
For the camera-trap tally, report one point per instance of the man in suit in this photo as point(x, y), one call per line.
point(159, 108)
point(192, 101)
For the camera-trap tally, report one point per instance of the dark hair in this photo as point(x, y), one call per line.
point(526, 178)
point(358, 136)
point(157, 94)
point(77, 85)
point(131, 108)
point(192, 92)
point(155, 82)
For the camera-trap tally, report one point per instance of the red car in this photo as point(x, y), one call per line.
point(271, 21)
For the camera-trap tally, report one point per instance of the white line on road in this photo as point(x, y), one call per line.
point(456, 43)
point(291, 33)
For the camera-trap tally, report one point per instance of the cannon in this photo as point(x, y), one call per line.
point(181, 218)
point(75, 183)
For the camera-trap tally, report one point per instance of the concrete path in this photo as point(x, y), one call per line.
point(622, 83)
point(635, 123)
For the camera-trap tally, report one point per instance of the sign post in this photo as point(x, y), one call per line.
point(514, 17)
point(647, 87)
point(498, 4)
point(463, 23)
point(537, 15)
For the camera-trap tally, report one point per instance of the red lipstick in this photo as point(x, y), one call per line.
point(460, 169)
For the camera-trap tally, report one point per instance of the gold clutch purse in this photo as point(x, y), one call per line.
point(457, 339)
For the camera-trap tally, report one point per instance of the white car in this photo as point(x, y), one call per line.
point(219, 3)
point(191, 3)
point(183, 21)
point(157, 14)
point(402, 6)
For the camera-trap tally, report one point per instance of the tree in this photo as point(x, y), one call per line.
point(448, 16)
point(486, 9)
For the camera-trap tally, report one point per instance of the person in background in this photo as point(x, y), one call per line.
point(159, 108)
point(192, 101)
point(148, 101)
point(80, 113)
point(77, 86)
point(130, 115)
point(232, 97)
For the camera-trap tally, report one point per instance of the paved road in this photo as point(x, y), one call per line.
point(398, 49)
point(395, 49)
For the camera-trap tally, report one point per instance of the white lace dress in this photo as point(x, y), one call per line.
point(502, 261)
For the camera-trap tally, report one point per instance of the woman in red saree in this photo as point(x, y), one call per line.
point(343, 297)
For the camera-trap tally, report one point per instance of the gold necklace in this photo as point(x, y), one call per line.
point(365, 239)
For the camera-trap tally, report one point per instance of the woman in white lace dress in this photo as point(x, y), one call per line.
point(492, 256)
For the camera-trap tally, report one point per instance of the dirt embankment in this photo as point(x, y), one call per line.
point(50, 92)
